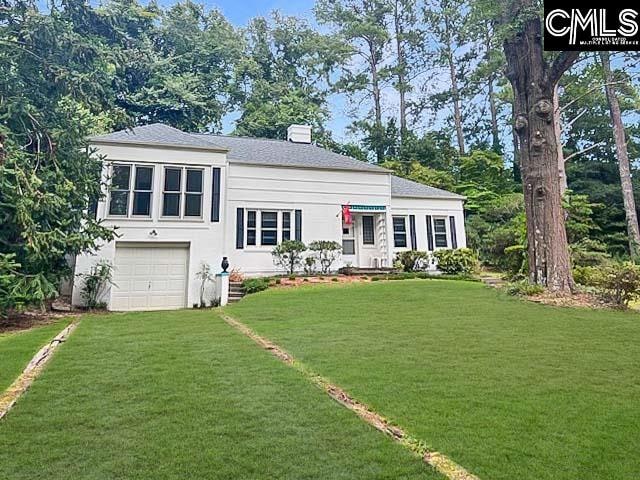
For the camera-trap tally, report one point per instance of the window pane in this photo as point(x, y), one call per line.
point(439, 225)
point(121, 177)
point(345, 231)
point(348, 247)
point(400, 240)
point(141, 203)
point(172, 179)
point(269, 237)
point(251, 219)
point(171, 205)
point(251, 237)
point(286, 234)
point(368, 237)
point(143, 178)
point(286, 220)
point(194, 181)
point(399, 225)
point(119, 203)
point(193, 205)
point(269, 219)
point(441, 240)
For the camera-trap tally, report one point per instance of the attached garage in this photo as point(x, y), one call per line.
point(150, 276)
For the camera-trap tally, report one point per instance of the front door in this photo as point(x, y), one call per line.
point(368, 251)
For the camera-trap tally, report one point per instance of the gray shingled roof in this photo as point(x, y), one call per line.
point(401, 187)
point(157, 134)
point(260, 151)
point(281, 153)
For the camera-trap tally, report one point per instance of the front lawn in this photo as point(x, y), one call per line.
point(179, 395)
point(507, 388)
point(17, 348)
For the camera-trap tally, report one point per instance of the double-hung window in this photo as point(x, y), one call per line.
point(399, 232)
point(131, 191)
point(182, 192)
point(267, 227)
point(440, 232)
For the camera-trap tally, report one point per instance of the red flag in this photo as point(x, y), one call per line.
point(346, 215)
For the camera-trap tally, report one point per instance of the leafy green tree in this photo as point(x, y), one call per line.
point(53, 85)
point(363, 26)
point(283, 77)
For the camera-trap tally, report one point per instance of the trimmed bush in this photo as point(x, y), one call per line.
point(412, 260)
point(288, 255)
point(455, 262)
point(254, 285)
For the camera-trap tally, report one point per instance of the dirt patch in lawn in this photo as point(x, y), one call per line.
point(31, 319)
point(440, 462)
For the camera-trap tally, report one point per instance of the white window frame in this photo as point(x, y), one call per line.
point(258, 227)
point(182, 193)
point(131, 191)
point(447, 233)
point(406, 233)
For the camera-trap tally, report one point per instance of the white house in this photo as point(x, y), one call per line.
point(178, 199)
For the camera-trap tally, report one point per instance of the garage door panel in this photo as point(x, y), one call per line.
point(150, 278)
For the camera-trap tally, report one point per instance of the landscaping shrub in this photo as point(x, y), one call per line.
point(288, 255)
point(587, 276)
point(326, 252)
point(412, 260)
point(458, 261)
point(524, 288)
point(254, 285)
point(96, 282)
point(620, 283)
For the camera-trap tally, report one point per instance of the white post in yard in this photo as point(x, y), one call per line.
point(222, 288)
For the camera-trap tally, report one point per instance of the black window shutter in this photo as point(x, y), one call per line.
point(299, 225)
point(412, 232)
point(429, 233)
point(454, 239)
point(215, 195)
point(240, 228)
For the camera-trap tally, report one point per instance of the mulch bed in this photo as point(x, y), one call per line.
point(286, 282)
point(580, 300)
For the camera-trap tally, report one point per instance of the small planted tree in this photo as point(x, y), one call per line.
point(326, 252)
point(96, 282)
point(205, 275)
point(288, 255)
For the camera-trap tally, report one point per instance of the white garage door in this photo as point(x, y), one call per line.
point(150, 277)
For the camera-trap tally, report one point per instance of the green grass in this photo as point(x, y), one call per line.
point(176, 395)
point(17, 348)
point(508, 389)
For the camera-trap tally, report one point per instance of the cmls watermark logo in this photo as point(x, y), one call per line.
point(591, 29)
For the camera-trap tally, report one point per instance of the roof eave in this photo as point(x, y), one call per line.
point(176, 146)
point(431, 197)
point(307, 167)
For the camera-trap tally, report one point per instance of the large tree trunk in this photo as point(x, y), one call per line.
point(623, 157)
point(533, 82)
